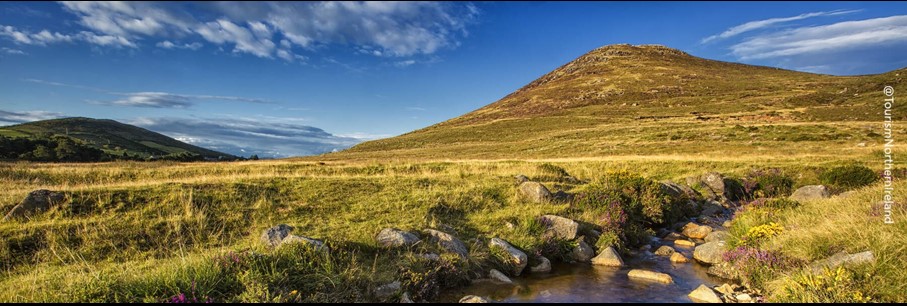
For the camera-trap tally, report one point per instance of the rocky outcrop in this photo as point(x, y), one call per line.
point(582, 252)
point(474, 299)
point(393, 238)
point(447, 242)
point(608, 257)
point(810, 192)
point(709, 252)
point(650, 276)
point(37, 201)
point(704, 294)
point(535, 192)
point(561, 227)
point(515, 257)
point(696, 231)
point(717, 187)
point(280, 235)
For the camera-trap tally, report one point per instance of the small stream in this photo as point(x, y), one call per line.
point(585, 283)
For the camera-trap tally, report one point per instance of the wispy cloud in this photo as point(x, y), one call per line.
point(12, 51)
point(267, 29)
point(45, 37)
point(759, 24)
point(152, 99)
point(835, 37)
point(416, 109)
point(271, 137)
point(170, 45)
point(27, 116)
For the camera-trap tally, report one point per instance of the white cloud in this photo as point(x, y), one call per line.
point(405, 63)
point(27, 116)
point(835, 37)
point(13, 51)
point(45, 37)
point(393, 29)
point(170, 45)
point(264, 136)
point(759, 24)
point(153, 99)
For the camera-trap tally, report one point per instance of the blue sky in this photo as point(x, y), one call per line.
point(282, 79)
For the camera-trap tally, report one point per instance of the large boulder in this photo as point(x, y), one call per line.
point(447, 242)
point(709, 252)
point(714, 184)
point(704, 294)
point(810, 192)
point(544, 266)
point(393, 238)
point(679, 191)
point(717, 187)
point(535, 192)
point(279, 235)
point(582, 252)
point(696, 231)
point(561, 227)
point(37, 201)
point(608, 257)
point(650, 276)
point(515, 257)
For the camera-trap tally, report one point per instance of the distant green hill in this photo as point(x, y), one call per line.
point(112, 137)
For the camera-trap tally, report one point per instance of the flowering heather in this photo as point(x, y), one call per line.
point(182, 298)
point(746, 255)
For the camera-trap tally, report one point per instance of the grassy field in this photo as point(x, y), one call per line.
point(153, 231)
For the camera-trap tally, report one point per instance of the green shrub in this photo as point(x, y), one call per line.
point(767, 183)
point(553, 170)
point(848, 177)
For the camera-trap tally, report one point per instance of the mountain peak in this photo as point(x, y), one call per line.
point(628, 50)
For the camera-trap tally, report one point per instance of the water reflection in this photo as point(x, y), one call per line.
point(583, 283)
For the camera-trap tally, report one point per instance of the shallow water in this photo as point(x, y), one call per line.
point(584, 283)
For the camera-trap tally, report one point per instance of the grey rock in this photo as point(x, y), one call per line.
point(544, 266)
point(724, 270)
point(431, 256)
point(810, 192)
point(318, 244)
point(517, 258)
point(387, 290)
point(392, 238)
point(535, 192)
point(709, 252)
point(664, 251)
point(35, 202)
point(561, 227)
point(274, 236)
point(498, 276)
point(404, 298)
point(717, 236)
point(447, 242)
point(582, 252)
point(521, 179)
point(608, 257)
